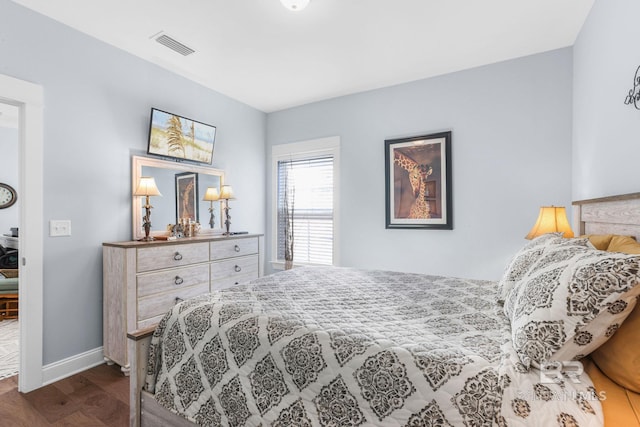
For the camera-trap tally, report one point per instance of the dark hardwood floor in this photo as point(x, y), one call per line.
point(96, 397)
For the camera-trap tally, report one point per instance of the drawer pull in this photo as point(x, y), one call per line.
point(236, 248)
point(177, 256)
point(179, 280)
point(238, 269)
point(178, 300)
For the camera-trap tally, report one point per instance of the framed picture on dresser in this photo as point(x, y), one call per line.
point(187, 196)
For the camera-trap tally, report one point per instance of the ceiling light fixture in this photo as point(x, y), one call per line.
point(295, 5)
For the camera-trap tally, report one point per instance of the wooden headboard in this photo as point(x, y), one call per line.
point(608, 215)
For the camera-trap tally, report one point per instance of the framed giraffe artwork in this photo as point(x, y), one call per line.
point(187, 196)
point(418, 182)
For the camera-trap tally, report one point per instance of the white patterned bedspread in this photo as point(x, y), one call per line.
point(347, 347)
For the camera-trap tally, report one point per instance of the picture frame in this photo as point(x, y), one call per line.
point(418, 182)
point(187, 196)
point(180, 138)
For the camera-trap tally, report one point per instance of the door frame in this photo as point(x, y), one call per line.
point(29, 99)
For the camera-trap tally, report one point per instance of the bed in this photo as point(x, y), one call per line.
point(341, 346)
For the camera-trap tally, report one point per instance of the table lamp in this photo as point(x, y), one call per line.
point(147, 187)
point(551, 219)
point(211, 195)
point(226, 194)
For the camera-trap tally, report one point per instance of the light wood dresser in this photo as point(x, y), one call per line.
point(143, 280)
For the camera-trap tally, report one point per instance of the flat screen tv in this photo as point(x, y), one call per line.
point(180, 138)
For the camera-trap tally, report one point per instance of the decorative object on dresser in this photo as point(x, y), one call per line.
point(8, 195)
point(187, 197)
point(418, 182)
point(143, 280)
point(211, 195)
point(551, 219)
point(147, 187)
point(226, 194)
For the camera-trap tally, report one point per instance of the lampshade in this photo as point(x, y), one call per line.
point(295, 5)
point(552, 219)
point(226, 192)
point(147, 187)
point(211, 195)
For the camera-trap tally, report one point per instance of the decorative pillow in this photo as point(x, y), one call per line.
point(624, 244)
point(522, 261)
point(619, 358)
point(564, 305)
point(599, 241)
point(526, 257)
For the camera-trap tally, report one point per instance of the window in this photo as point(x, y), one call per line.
point(311, 168)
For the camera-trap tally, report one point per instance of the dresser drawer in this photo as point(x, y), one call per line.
point(158, 304)
point(173, 279)
point(157, 257)
point(233, 248)
point(227, 282)
point(234, 267)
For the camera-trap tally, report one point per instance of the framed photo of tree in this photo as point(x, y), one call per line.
point(181, 138)
point(187, 196)
point(418, 182)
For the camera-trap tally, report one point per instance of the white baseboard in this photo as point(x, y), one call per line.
point(64, 368)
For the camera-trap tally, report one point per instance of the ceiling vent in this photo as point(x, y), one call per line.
point(173, 44)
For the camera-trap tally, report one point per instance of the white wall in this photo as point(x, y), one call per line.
point(10, 216)
point(606, 132)
point(511, 126)
point(97, 104)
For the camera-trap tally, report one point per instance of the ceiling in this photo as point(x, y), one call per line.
point(271, 58)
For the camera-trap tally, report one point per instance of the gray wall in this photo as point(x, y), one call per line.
point(9, 217)
point(606, 132)
point(511, 126)
point(97, 103)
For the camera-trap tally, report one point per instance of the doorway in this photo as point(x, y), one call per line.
point(28, 98)
point(9, 247)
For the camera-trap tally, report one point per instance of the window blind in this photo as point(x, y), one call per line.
point(312, 183)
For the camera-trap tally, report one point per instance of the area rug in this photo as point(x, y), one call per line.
point(9, 348)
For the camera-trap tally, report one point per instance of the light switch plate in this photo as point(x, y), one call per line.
point(59, 227)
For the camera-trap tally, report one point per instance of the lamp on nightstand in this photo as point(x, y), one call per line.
point(147, 187)
point(211, 195)
point(551, 219)
point(226, 194)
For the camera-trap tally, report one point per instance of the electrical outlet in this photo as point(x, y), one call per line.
point(59, 227)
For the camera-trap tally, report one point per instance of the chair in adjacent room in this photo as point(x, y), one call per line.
point(9, 294)
point(8, 258)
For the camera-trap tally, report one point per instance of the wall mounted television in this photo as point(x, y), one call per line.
point(180, 138)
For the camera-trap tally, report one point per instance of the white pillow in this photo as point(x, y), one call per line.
point(526, 257)
point(563, 305)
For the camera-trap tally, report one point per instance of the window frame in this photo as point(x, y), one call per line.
point(308, 149)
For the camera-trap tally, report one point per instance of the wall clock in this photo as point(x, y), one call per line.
point(8, 196)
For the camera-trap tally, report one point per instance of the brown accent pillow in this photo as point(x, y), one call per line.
point(624, 244)
point(619, 358)
point(619, 405)
point(599, 241)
